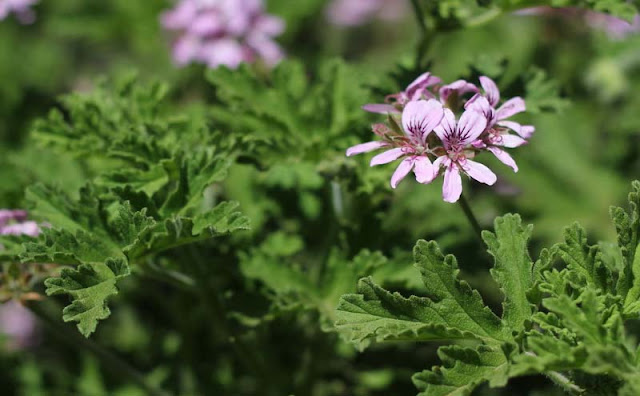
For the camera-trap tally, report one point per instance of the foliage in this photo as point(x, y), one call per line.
point(564, 321)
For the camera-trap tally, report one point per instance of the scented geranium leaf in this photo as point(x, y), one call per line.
point(175, 231)
point(89, 286)
point(628, 226)
point(95, 120)
point(584, 259)
point(451, 310)
point(462, 370)
point(546, 353)
point(513, 267)
point(290, 113)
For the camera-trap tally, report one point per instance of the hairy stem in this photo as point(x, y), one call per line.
point(472, 219)
point(111, 361)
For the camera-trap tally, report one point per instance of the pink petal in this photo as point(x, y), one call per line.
point(269, 25)
point(401, 171)
point(380, 108)
point(460, 86)
point(452, 187)
point(514, 126)
point(481, 105)
point(470, 126)
point(417, 87)
point(511, 107)
point(387, 156)
point(365, 147)
point(504, 157)
point(479, 172)
point(424, 170)
point(491, 90)
point(527, 131)
point(420, 117)
point(511, 141)
point(447, 127)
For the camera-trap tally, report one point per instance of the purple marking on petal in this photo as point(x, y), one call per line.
point(479, 172)
point(491, 90)
point(380, 108)
point(420, 117)
point(401, 171)
point(470, 126)
point(481, 105)
point(387, 156)
point(511, 141)
point(365, 147)
point(504, 157)
point(452, 187)
point(447, 128)
point(424, 170)
point(511, 107)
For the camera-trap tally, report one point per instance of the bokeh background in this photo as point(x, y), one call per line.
point(579, 73)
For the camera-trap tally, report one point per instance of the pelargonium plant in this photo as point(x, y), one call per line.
point(20, 8)
point(223, 32)
point(434, 126)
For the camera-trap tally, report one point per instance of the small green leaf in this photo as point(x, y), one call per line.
point(463, 370)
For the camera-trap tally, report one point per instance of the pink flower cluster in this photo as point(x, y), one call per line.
point(223, 32)
point(357, 12)
point(434, 127)
point(14, 222)
point(21, 8)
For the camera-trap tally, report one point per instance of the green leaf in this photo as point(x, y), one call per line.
point(513, 267)
point(89, 286)
point(451, 310)
point(584, 259)
point(463, 370)
point(628, 227)
point(543, 93)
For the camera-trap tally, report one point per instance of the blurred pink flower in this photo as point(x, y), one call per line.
point(615, 27)
point(14, 222)
point(223, 32)
point(21, 9)
point(358, 12)
point(18, 325)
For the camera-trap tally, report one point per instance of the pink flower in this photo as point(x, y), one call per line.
point(419, 118)
point(418, 89)
point(497, 135)
point(21, 8)
point(456, 137)
point(426, 106)
point(18, 324)
point(224, 32)
point(13, 222)
point(358, 12)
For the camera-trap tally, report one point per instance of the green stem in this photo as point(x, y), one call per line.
point(111, 361)
point(425, 37)
point(417, 10)
point(469, 214)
